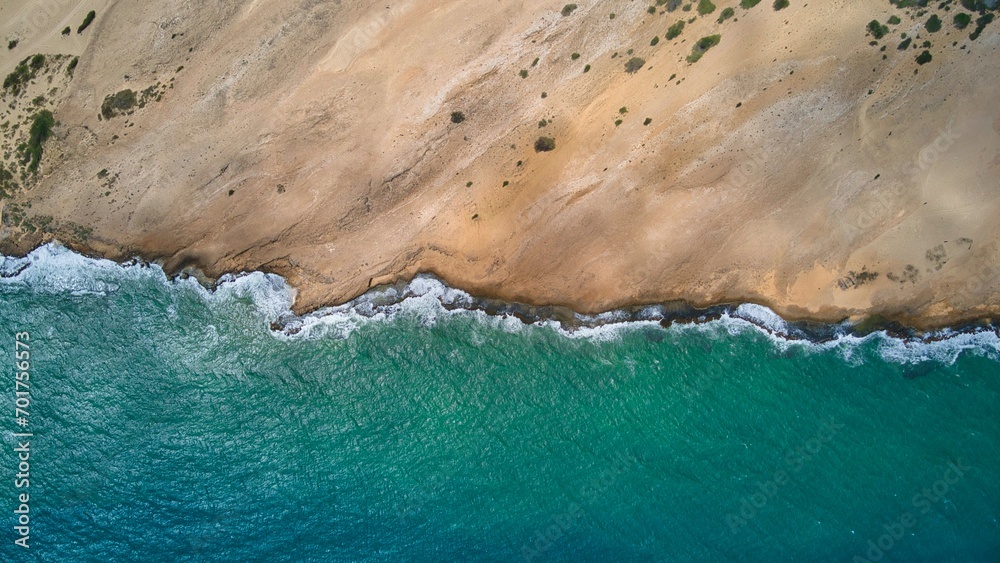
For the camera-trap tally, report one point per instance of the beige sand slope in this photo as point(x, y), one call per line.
point(794, 165)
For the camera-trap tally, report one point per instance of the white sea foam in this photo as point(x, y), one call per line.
point(53, 269)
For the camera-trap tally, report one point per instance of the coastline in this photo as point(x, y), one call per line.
point(382, 297)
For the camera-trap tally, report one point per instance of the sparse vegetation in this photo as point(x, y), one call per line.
point(568, 9)
point(524, 73)
point(725, 15)
point(545, 144)
point(89, 19)
point(702, 46)
point(634, 64)
point(457, 117)
point(705, 7)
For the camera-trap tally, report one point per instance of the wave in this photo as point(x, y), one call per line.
point(54, 269)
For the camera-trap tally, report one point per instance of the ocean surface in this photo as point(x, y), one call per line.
point(171, 423)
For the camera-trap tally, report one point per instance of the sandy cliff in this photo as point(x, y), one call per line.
point(795, 164)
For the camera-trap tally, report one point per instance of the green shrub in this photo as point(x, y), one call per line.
point(702, 46)
point(877, 30)
point(545, 144)
point(647, 121)
point(118, 103)
point(933, 24)
point(41, 130)
point(574, 56)
point(962, 21)
point(981, 23)
point(586, 68)
point(11, 44)
point(654, 41)
point(747, 4)
point(87, 21)
point(780, 4)
point(675, 30)
point(457, 117)
point(37, 62)
point(705, 7)
point(634, 64)
point(523, 73)
point(894, 20)
point(924, 58)
point(568, 9)
point(725, 15)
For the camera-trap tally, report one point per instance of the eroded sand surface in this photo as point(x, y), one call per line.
point(314, 139)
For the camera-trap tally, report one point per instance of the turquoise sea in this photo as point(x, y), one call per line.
point(171, 423)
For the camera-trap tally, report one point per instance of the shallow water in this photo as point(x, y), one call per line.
point(170, 423)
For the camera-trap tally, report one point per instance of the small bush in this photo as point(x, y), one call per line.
point(11, 44)
point(647, 121)
point(654, 41)
point(545, 144)
point(634, 64)
point(675, 30)
point(962, 21)
point(37, 62)
point(618, 122)
point(457, 117)
point(780, 4)
point(568, 9)
point(702, 46)
point(574, 56)
point(72, 65)
point(586, 68)
point(705, 7)
point(66, 30)
point(87, 21)
point(894, 20)
point(747, 4)
point(725, 15)
point(523, 73)
point(924, 58)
